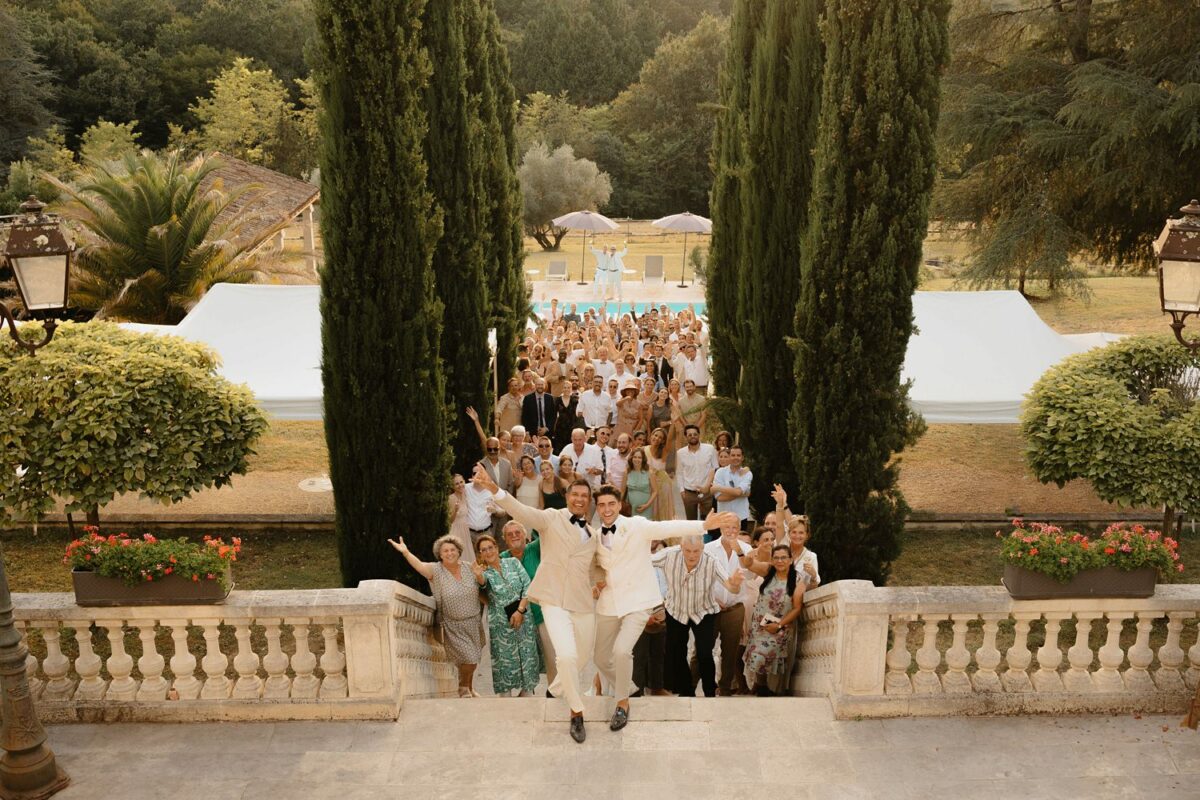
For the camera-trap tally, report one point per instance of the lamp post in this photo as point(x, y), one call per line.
point(40, 257)
point(1178, 251)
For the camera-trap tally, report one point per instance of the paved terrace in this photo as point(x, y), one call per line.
point(674, 747)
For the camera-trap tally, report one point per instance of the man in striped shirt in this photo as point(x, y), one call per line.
point(689, 572)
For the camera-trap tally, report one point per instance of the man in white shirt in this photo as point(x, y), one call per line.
point(608, 456)
point(695, 466)
point(631, 590)
point(586, 457)
point(729, 590)
point(595, 406)
point(731, 487)
point(694, 367)
point(604, 367)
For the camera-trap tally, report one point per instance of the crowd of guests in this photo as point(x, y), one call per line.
point(596, 458)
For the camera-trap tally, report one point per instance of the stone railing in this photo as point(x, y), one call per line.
point(902, 651)
point(318, 654)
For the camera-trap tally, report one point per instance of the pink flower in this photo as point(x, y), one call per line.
point(1063, 560)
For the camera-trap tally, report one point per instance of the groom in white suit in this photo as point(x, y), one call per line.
point(630, 591)
point(600, 284)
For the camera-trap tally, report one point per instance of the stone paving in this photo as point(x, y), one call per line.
point(674, 747)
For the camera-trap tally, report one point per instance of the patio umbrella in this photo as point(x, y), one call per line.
point(688, 223)
point(584, 221)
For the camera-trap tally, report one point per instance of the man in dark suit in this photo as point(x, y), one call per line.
point(663, 364)
point(538, 411)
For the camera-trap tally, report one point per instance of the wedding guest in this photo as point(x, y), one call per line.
point(553, 487)
point(689, 573)
point(529, 553)
point(513, 639)
point(649, 654)
point(639, 493)
point(528, 484)
point(456, 593)
point(459, 523)
point(773, 628)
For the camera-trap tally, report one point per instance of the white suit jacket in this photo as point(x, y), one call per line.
point(631, 584)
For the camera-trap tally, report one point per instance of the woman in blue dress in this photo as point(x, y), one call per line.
point(514, 649)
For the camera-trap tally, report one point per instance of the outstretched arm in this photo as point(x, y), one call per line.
point(423, 567)
point(478, 428)
point(528, 516)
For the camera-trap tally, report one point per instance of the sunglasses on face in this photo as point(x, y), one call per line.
point(493, 449)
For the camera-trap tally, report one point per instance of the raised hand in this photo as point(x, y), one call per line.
point(715, 520)
point(398, 544)
point(779, 495)
point(472, 413)
point(481, 478)
point(477, 569)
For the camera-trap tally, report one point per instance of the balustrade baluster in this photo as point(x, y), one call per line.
point(1192, 676)
point(91, 685)
point(958, 657)
point(1108, 677)
point(898, 659)
point(1078, 678)
point(1018, 656)
point(987, 657)
point(1137, 677)
point(1049, 655)
point(56, 666)
point(929, 658)
point(305, 684)
point(31, 663)
point(1168, 677)
point(278, 684)
point(122, 686)
point(248, 685)
point(217, 685)
point(333, 662)
point(150, 664)
point(183, 662)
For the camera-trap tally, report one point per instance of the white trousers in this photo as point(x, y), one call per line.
point(615, 640)
point(573, 636)
point(547, 653)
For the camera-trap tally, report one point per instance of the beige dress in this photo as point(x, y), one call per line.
point(461, 613)
point(661, 481)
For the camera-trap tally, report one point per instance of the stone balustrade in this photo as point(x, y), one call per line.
point(884, 652)
point(320, 654)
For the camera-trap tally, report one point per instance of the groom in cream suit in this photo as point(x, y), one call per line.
point(630, 591)
point(563, 583)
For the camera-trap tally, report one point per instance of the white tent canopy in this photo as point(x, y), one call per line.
point(973, 359)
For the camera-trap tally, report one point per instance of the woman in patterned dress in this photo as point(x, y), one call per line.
point(773, 626)
point(456, 592)
point(663, 484)
point(514, 648)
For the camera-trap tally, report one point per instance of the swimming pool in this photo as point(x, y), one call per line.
point(541, 309)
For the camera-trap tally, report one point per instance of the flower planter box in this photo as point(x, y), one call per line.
point(1025, 584)
point(92, 589)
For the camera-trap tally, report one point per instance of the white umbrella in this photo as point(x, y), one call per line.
point(688, 223)
point(584, 221)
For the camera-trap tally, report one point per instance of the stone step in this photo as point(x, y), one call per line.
point(645, 709)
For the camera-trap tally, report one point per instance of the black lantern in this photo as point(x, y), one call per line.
point(1178, 251)
point(39, 255)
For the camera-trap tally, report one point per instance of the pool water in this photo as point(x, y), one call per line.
point(541, 309)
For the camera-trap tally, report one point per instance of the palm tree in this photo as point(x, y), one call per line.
point(154, 243)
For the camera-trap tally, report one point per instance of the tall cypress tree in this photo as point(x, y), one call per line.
point(453, 152)
point(727, 250)
point(873, 172)
point(784, 98)
point(505, 254)
point(381, 320)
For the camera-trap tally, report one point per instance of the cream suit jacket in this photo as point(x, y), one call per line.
point(565, 576)
point(631, 584)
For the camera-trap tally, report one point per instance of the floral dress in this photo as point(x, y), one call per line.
point(458, 603)
point(766, 653)
point(515, 660)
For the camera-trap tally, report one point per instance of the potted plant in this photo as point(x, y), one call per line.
point(119, 570)
point(1043, 561)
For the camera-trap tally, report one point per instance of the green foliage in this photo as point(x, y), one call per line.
point(242, 115)
point(148, 559)
point(155, 245)
point(553, 120)
point(554, 183)
point(873, 170)
point(25, 91)
point(381, 328)
point(1069, 130)
point(1123, 417)
point(1061, 554)
point(108, 141)
point(100, 412)
point(666, 121)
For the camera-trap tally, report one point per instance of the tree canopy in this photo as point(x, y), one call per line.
point(554, 183)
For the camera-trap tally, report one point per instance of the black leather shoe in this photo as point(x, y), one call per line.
point(620, 719)
point(577, 731)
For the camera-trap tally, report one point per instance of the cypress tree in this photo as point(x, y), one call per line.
point(726, 253)
point(505, 243)
point(381, 320)
point(784, 98)
point(872, 174)
point(453, 153)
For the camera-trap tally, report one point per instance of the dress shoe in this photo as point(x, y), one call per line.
point(577, 731)
point(620, 719)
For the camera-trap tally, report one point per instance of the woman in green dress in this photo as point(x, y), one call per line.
point(640, 491)
point(514, 649)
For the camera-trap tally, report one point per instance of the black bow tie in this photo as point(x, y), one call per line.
point(580, 521)
point(606, 529)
